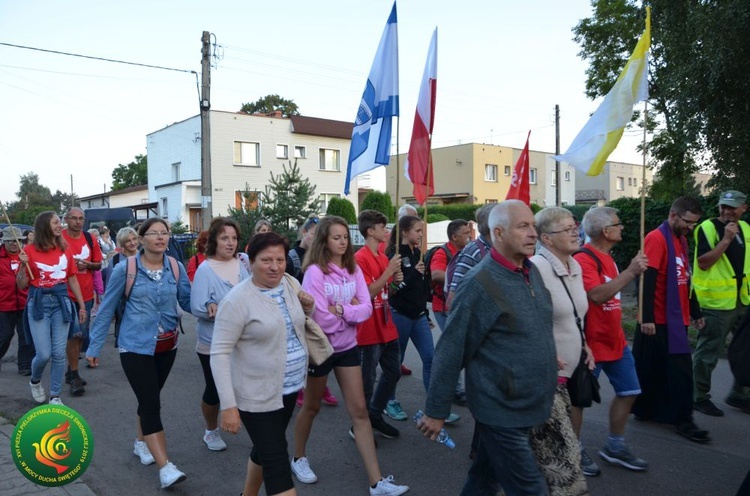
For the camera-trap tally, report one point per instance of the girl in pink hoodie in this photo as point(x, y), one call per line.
point(342, 301)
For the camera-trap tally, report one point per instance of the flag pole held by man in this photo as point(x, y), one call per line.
point(371, 136)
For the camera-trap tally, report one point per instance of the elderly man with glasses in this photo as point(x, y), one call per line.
point(13, 300)
point(604, 334)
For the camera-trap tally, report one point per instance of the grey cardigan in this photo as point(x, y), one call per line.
point(507, 348)
point(248, 349)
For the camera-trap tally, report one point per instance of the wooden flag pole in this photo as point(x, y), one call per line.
point(20, 246)
point(398, 182)
point(426, 201)
point(643, 208)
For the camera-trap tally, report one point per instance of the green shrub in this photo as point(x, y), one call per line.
point(435, 218)
point(380, 202)
point(452, 212)
point(343, 208)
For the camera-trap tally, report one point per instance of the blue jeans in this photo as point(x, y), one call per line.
point(441, 318)
point(388, 355)
point(504, 460)
point(418, 330)
point(50, 336)
point(88, 305)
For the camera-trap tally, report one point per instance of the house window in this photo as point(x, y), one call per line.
point(620, 183)
point(532, 176)
point(246, 153)
point(164, 209)
point(330, 160)
point(490, 173)
point(324, 199)
point(490, 200)
point(506, 170)
point(175, 172)
point(567, 175)
point(300, 152)
point(246, 200)
point(553, 178)
point(282, 151)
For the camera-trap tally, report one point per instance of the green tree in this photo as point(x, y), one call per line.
point(380, 202)
point(269, 104)
point(133, 174)
point(343, 208)
point(288, 200)
point(698, 85)
point(32, 199)
point(248, 214)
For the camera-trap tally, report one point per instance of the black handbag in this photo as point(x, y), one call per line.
point(583, 386)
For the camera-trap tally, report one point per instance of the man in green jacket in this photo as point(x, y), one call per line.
point(720, 280)
point(500, 330)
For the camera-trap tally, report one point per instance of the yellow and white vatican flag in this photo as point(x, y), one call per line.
point(601, 134)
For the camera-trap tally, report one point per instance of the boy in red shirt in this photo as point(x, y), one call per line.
point(378, 337)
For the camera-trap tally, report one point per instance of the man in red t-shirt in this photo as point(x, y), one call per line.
point(13, 300)
point(88, 258)
point(604, 335)
point(377, 337)
point(663, 358)
point(459, 235)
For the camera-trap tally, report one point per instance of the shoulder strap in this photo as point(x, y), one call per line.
point(175, 268)
point(575, 311)
point(448, 254)
point(590, 253)
point(482, 247)
point(89, 240)
point(130, 275)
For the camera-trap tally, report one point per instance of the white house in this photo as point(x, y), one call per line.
point(245, 149)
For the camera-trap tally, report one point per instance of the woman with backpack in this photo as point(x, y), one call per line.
point(223, 269)
point(150, 285)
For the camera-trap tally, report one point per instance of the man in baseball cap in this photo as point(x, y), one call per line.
point(13, 300)
point(720, 281)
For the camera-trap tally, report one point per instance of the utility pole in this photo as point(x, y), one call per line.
point(205, 106)
point(558, 187)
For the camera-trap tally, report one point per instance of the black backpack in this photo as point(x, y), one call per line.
point(430, 286)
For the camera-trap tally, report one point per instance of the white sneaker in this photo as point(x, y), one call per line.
point(55, 401)
point(301, 469)
point(37, 391)
point(214, 441)
point(140, 449)
point(386, 487)
point(169, 475)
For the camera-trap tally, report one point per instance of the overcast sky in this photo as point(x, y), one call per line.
point(502, 66)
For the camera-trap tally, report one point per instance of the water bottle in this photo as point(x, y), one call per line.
point(442, 438)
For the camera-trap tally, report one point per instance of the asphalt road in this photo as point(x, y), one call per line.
point(678, 467)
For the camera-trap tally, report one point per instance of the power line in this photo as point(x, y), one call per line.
point(99, 58)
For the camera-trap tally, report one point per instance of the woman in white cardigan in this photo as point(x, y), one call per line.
point(259, 361)
point(555, 443)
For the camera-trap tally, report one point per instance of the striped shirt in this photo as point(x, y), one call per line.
point(296, 357)
point(470, 256)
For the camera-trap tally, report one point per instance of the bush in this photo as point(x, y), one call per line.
point(435, 218)
point(452, 212)
point(380, 202)
point(343, 208)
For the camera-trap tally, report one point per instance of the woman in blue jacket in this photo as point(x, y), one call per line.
point(148, 336)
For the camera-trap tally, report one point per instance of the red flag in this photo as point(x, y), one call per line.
point(519, 184)
point(417, 168)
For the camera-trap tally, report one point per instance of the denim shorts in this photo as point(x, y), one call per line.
point(348, 358)
point(621, 374)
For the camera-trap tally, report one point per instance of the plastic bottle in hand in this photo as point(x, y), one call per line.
point(442, 438)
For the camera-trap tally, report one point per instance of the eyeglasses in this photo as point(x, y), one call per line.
point(159, 234)
point(690, 223)
point(619, 224)
point(570, 230)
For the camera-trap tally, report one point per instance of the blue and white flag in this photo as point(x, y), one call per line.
point(371, 137)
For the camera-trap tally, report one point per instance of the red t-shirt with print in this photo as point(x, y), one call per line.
point(50, 268)
point(655, 248)
point(604, 332)
point(379, 328)
point(81, 250)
